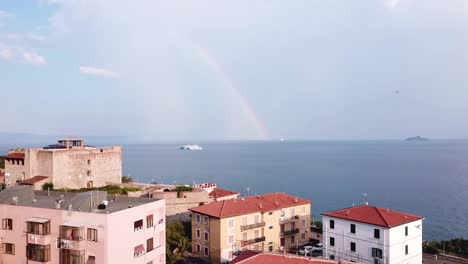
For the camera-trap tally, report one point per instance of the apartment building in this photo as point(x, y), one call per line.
point(80, 228)
point(68, 164)
point(268, 222)
point(256, 257)
point(369, 234)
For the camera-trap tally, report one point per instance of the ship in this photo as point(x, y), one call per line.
point(191, 147)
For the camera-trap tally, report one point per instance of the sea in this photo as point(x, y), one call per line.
point(427, 178)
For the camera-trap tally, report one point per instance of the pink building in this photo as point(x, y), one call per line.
point(80, 228)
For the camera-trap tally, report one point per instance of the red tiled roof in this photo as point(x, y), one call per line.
point(218, 193)
point(33, 180)
point(14, 156)
point(374, 216)
point(248, 205)
point(252, 257)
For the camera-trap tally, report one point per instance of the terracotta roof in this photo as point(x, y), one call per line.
point(14, 156)
point(252, 257)
point(374, 216)
point(33, 180)
point(219, 193)
point(250, 204)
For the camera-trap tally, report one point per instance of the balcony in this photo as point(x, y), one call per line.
point(38, 239)
point(290, 232)
point(285, 220)
point(252, 226)
point(252, 241)
point(70, 244)
point(71, 237)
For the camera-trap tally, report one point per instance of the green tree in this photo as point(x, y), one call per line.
point(48, 186)
point(127, 179)
point(2, 163)
point(177, 242)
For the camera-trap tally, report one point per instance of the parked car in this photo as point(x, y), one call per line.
point(311, 250)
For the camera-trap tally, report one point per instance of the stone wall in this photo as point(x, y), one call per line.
point(177, 206)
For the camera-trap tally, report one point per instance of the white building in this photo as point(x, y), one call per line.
point(369, 234)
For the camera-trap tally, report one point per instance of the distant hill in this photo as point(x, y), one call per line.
point(417, 138)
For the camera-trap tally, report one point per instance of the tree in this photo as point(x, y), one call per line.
point(177, 242)
point(127, 179)
point(2, 163)
point(318, 224)
point(48, 186)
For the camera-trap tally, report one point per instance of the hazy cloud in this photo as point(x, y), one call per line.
point(36, 37)
point(14, 53)
point(34, 58)
point(6, 53)
point(98, 72)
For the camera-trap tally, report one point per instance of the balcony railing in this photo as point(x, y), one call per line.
point(252, 226)
point(70, 244)
point(285, 220)
point(252, 241)
point(290, 232)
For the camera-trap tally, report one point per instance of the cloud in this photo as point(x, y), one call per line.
point(391, 4)
point(34, 58)
point(10, 36)
point(37, 37)
point(14, 53)
point(3, 16)
point(98, 72)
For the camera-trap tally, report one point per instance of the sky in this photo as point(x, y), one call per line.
point(235, 70)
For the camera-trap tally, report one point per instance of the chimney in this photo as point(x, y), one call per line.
point(260, 205)
point(366, 203)
point(347, 212)
point(296, 199)
point(388, 210)
point(276, 203)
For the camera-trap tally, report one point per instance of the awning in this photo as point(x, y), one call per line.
point(139, 249)
point(38, 220)
point(72, 224)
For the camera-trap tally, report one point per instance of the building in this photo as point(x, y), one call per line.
point(256, 257)
point(268, 222)
point(80, 228)
point(370, 234)
point(215, 193)
point(68, 164)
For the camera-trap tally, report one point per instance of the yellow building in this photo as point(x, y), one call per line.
point(269, 222)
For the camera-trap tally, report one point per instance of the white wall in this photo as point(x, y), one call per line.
point(392, 242)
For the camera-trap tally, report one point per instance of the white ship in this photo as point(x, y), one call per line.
point(191, 147)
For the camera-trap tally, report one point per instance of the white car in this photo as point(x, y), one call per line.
point(308, 250)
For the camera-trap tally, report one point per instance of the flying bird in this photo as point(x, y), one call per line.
point(397, 92)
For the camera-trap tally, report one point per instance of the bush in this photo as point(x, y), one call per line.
point(48, 186)
point(127, 179)
point(110, 189)
point(2, 163)
point(2, 186)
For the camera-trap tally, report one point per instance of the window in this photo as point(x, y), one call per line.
point(257, 234)
point(353, 246)
point(197, 218)
point(231, 239)
point(231, 223)
point(377, 233)
point(92, 234)
point(149, 221)
point(7, 224)
point(8, 248)
point(198, 248)
point(38, 228)
point(332, 257)
point(406, 230)
point(256, 219)
point(353, 228)
point(332, 224)
point(293, 241)
point(88, 173)
point(244, 220)
point(270, 227)
point(303, 223)
point(207, 252)
point(206, 236)
point(205, 219)
point(270, 213)
point(89, 162)
point(406, 250)
point(282, 213)
point(377, 253)
point(138, 225)
point(149, 245)
point(303, 236)
point(270, 248)
point(198, 233)
point(332, 241)
point(38, 253)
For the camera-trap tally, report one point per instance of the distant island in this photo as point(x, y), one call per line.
point(418, 138)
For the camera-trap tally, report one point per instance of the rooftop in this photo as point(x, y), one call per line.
point(34, 180)
point(251, 204)
point(254, 257)
point(14, 156)
point(374, 215)
point(219, 193)
point(82, 202)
